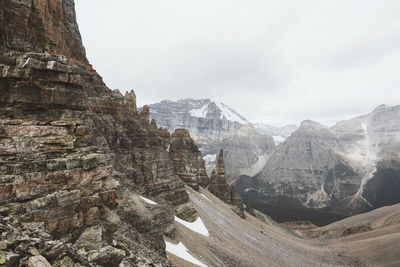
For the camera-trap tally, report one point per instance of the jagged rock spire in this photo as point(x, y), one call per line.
point(130, 101)
point(220, 188)
point(221, 164)
point(144, 115)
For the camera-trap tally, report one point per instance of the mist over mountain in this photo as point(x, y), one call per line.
point(349, 168)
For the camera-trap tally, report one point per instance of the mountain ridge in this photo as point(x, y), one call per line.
point(334, 167)
point(214, 125)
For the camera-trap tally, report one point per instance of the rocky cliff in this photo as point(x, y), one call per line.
point(214, 125)
point(75, 156)
point(221, 189)
point(349, 168)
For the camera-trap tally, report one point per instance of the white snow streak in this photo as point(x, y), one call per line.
point(148, 200)
point(196, 226)
point(229, 114)
point(182, 252)
point(200, 112)
point(226, 112)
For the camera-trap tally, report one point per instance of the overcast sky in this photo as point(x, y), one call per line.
point(276, 62)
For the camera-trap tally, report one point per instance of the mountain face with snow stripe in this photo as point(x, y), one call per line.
point(217, 110)
point(351, 167)
point(214, 125)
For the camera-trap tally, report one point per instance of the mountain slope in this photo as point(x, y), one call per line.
point(236, 242)
point(349, 168)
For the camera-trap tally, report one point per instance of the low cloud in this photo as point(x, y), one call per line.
point(275, 62)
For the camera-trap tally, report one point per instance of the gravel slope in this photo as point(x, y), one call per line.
point(237, 242)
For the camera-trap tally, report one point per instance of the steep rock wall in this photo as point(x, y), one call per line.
point(74, 155)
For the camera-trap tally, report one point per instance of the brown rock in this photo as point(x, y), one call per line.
point(221, 189)
point(38, 261)
point(30, 27)
point(221, 164)
point(144, 115)
point(74, 152)
point(92, 215)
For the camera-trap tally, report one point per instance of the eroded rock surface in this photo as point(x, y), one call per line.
point(74, 155)
point(220, 188)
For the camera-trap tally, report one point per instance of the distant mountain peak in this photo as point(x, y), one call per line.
point(216, 110)
point(385, 107)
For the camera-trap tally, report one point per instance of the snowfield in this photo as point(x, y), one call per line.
point(278, 139)
point(182, 252)
point(196, 226)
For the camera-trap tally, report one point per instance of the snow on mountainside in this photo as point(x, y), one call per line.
point(214, 125)
point(225, 111)
point(351, 167)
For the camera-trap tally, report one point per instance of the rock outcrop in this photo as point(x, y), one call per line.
point(74, 155)
point(221, 189)
point(188, 163)
point(42, 26)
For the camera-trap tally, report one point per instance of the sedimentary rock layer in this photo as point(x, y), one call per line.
point(74, 154)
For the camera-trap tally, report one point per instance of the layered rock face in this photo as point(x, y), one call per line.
point(41, 26)
point(346, 169)
point(220, 188)
point(214, 125)
point(74, 154)
point(188, 163)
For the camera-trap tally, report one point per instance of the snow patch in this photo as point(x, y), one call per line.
point(210, 160)
point(196, 226)
point(278, 139)
point(226, 112)
point(364, 126)
point(230, 114)
point(182, 252)
point(200, 112)
point(148, 200)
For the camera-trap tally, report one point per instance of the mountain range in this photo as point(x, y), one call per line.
point(346, 169)
point(214, 125)
point(327, 172)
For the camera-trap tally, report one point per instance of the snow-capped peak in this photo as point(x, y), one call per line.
point(230, 114)
point(218, 110)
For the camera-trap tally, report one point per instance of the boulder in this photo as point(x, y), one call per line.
point(38, 261)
